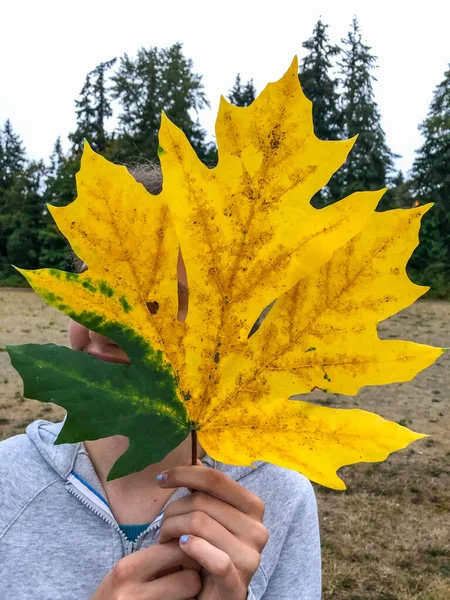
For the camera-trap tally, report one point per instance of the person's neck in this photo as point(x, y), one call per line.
point(137, 497)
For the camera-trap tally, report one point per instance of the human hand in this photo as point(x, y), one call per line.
point(141, 576)
point(222, 522)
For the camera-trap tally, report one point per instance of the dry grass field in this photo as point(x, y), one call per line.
point(388, 536)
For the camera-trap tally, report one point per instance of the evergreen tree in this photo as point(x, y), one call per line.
point(371, 161)
point(59, 190)
point(22, 246)
point(136, 85)
point(13, 156)
point(240, 94)
point(157, 80)
point(182, 92)
point(12, 165)
point(399, 194)
point(93, 108)
point(321, 87)
point(20, 205)
point(85, 118)
point(431, 183)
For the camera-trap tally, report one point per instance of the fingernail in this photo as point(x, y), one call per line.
point(184, 539)
point(161, 477)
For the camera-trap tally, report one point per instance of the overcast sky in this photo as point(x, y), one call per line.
point(47, 47)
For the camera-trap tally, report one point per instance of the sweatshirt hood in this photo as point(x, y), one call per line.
point(61, 458)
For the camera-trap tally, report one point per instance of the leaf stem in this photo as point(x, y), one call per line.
point(194, 446)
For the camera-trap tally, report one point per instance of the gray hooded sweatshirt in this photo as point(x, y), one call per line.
point(59, 539)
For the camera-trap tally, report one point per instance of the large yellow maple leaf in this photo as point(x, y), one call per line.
point(249, 236)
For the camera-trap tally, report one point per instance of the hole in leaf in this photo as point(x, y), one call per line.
point(260, 319)
point(153, 307)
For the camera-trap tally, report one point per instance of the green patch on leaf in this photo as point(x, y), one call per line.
point(106, 289)
point(124, 304)
point(86, 282)
point(50, 297)
point(75, 277)
point(140, 401)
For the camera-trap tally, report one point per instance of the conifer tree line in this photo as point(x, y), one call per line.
point(337, 77)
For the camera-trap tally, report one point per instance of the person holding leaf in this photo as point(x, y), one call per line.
point(182, 468)
point(240, 533)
